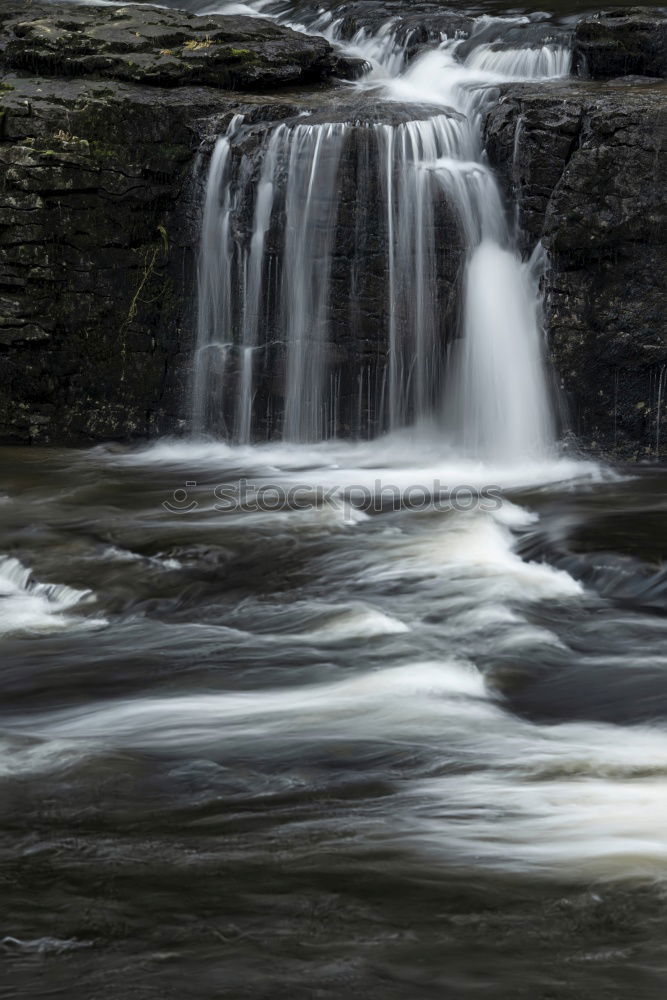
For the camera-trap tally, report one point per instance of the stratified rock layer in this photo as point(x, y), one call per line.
point(93, 261)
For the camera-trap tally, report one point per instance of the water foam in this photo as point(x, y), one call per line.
point(27, 606)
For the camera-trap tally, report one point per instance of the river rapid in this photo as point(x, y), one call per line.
point(338, 750)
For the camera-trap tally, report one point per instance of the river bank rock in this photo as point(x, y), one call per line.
point(622, 42)
point(585, 164)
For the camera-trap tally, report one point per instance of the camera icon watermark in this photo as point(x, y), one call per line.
point(179, 503)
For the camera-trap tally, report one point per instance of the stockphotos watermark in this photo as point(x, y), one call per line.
point(246, 497)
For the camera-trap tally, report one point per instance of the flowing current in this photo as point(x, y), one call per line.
point(393, 209)
point(358, 691)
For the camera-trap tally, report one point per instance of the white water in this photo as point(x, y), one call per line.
point(383, 646)
point(502, 793)
point(27, 606)
point(409, 158)
point(267, 300)
point(499, 390)
point(310, 210)
point(215, 291)
point(546, 61)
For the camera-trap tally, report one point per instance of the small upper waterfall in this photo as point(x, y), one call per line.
point(544, 61)
point(357, 270)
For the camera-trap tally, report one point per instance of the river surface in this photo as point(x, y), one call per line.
point(355, 748)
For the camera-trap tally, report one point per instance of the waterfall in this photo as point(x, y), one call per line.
point(214, 320)
point(277, 252)
point(358, 275)
point(502, 402)
point(310, 216)
point(658, 410)
point(543, 61)
point(409, 158)
point(254, 298)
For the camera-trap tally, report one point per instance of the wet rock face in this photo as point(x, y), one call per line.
point(584, 163)
point(622, 42)
point(96, 257)
point(161, 47)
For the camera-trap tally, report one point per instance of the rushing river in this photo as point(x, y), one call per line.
point(331, 751)
point(321, 719)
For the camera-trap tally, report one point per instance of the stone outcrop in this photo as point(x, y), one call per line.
point(93, 260)
point(584, 164)
point(166, 48)
point(622, 42)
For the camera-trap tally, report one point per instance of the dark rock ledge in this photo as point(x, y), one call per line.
point(166, 48)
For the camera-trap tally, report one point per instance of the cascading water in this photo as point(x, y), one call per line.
point(456, 338)
point(285, 241)
point(500, 395)
point(214, 294)
point(295, 282)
